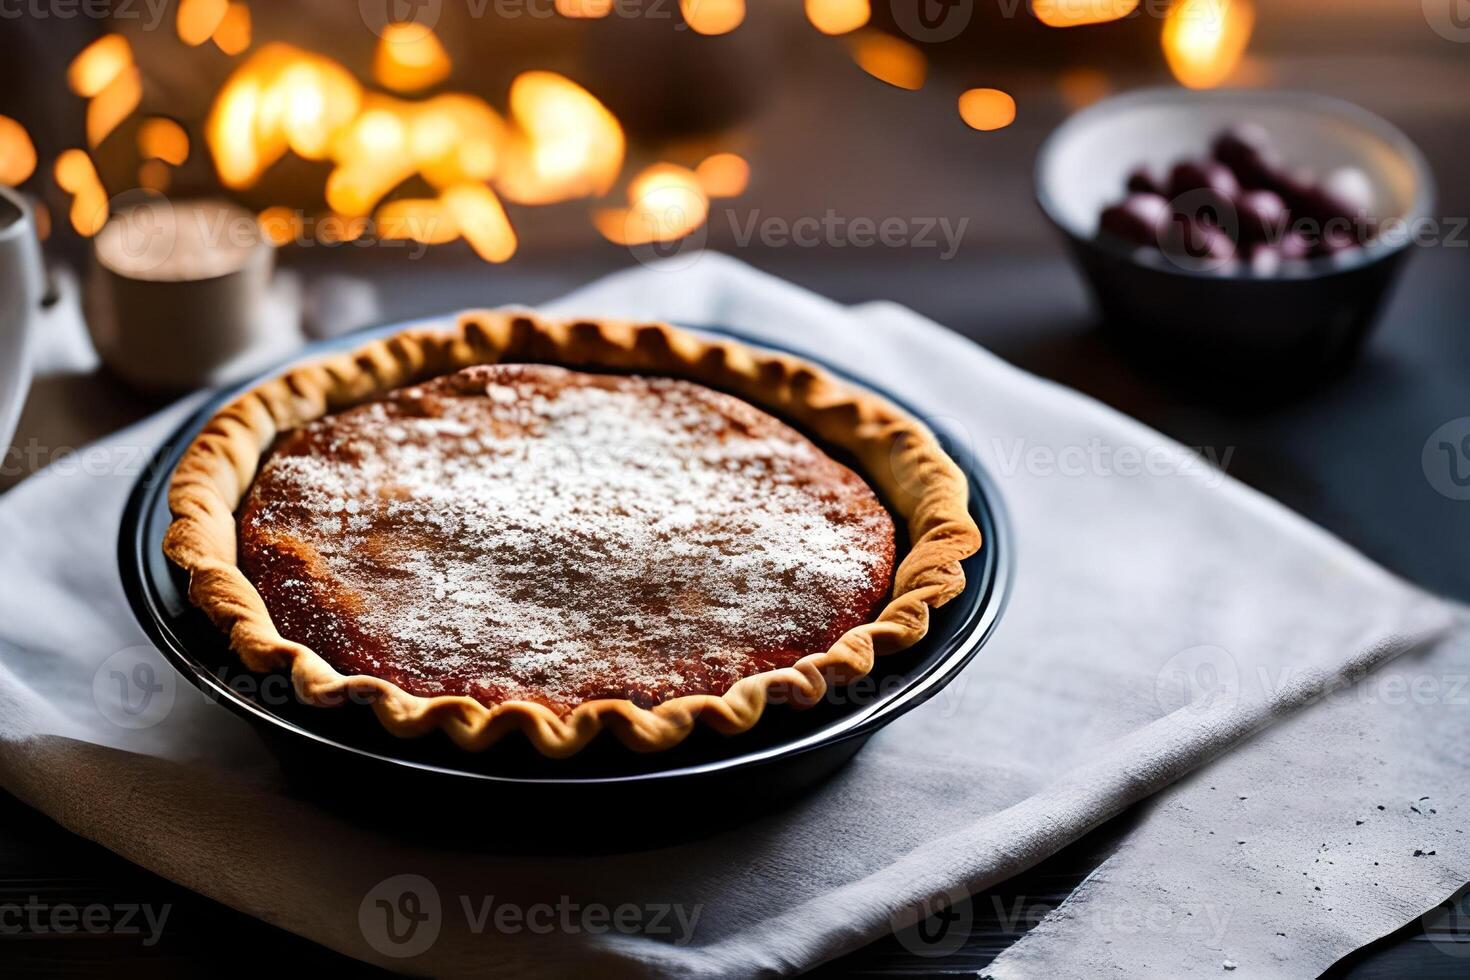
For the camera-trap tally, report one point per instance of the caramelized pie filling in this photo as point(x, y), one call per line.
point(525, 532)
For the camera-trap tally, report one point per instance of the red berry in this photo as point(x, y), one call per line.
point(1247, 150)
point(1138, 219)
point(1142, 180)
point(1263, 216)
point(1196, 245)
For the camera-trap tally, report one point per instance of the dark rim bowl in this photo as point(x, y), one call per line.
point(342, 757)
point(1231, 325)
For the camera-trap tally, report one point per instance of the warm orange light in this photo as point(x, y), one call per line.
point(232, 36)
point(1204, 40)
point(712, 16)
point(113, 104)
point(423, 220)
point(481, 220)
point(409, 57)
point(666, 203)
point(987, 109)
point(163, 139)
point(380, 132)
point(98, 64)
point(313, 99)
point(373, 156)
point(279, 225)
point(889, 59)
point(355, 189)
point(1077, 13)
point(279, 99)
point(336, 228)
point(197, 20)
point(566, 144)
point(239, 154)
point(723, 175)
point(154, 175)
point(76, 175)
point(559, 143)
point(838, 16)
point(584, 8)
point(17, 153)
point(74, 171)
point(456, 139)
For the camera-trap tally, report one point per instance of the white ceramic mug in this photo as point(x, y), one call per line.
point(20, 303)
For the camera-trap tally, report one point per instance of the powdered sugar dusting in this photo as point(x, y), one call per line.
point(521, 531)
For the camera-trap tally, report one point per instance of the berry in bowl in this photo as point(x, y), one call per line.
point(1243, 208)
point(1240, 237)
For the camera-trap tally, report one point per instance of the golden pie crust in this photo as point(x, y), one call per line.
point(897, 455)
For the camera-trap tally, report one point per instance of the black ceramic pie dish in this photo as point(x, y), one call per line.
point(343, 758)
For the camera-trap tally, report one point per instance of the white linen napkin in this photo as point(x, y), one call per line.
point(1162, 615)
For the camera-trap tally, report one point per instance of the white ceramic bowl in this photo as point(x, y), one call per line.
point(1231, 320)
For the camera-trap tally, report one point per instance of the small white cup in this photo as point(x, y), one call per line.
point(177, 290)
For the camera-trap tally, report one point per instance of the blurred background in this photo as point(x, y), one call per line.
point(520, 140)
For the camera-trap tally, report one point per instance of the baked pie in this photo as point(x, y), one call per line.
point(564, 527)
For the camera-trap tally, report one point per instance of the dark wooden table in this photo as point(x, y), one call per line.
point(1347, 456)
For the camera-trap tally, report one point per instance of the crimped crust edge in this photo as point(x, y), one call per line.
point(895, 452)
